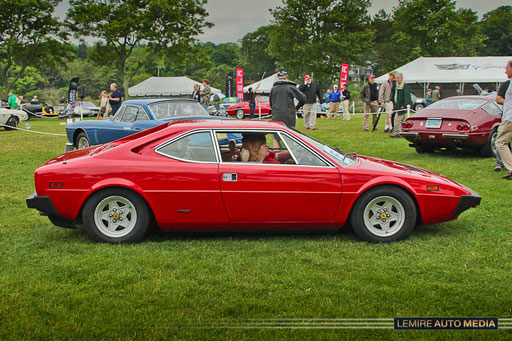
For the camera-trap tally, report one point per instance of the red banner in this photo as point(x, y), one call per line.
point(344, 74)
point(240, 83)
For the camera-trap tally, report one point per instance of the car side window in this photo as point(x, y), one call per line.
point(302, 155)
point(141, 115)
point(492, 109)
point(193, 147)
point(119, 114)
point(130, 114)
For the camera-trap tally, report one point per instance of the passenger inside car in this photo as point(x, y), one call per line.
point(255, 149)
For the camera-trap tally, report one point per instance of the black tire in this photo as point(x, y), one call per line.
point(397, 205)
point(12, 122)
point(82, 141)
point(489, 148)
point(421, 148)
point(418, 107)
point(240, 114)
point(99, 216)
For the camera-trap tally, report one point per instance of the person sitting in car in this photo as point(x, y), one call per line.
point(255, 149)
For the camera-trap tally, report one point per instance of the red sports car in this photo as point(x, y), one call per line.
point(240, 110)
point(179, 176)
point(462, 121)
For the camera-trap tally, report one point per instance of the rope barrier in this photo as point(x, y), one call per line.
point(31, 131)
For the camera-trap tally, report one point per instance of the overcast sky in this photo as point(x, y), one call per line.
point(235, 18)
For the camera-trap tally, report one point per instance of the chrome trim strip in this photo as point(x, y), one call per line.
point(455, 137)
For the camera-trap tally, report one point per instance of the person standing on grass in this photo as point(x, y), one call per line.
point(312, 91)
point(370, 97)
point(345, 100)
point(206, 93)
point(281, 99)
point(504, 138)
point(334, 102)
point(436, 94)
point(13, 101)
point(105, 109)
point(252, 101)
point(402, 100)
point(115, 98)
point(386, 99)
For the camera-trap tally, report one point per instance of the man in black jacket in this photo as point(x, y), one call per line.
point(281, 100)
point(312, 91)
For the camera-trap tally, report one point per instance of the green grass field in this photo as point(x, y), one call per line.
point(57, 284)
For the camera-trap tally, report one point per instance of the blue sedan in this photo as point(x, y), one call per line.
point(133, 116)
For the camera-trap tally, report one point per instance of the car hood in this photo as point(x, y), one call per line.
point(440, 113)
point(394, 168)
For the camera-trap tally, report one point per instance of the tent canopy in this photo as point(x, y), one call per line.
point(265, 86)
point(165, 86)
point(453, 70)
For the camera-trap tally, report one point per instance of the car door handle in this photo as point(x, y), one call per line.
point(229, 177)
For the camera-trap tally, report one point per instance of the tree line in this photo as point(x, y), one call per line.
point(135, 39)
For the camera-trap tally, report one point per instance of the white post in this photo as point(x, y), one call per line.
point(408, 110)
point(259, 110)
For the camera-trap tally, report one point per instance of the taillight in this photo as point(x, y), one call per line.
point(466, 127)
point(406, 125)
point(463, 127)
point(459, 127)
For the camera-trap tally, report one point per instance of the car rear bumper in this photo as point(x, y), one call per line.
point(455, 137)
point(467, 201)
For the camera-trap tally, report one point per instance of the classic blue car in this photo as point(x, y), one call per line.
point(133, 116)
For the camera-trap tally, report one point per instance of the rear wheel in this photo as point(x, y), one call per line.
point(12, 122)
point(418, 107)
point(489, 148)
point(116, 215)
point(240, 114)
point(82, 141)
point(383, 214)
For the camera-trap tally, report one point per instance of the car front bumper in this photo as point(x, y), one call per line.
point(467, 201)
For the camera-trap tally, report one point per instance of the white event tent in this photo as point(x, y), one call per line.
point(458, 70)
point(165, 86)
point(265, 86)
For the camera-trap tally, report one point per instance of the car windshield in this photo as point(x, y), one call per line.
point(343, 159)
point(458, 103)
point(86, 104)
point(170, 109)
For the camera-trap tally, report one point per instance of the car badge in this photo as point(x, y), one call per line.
point(449, 124)
point(421, 124)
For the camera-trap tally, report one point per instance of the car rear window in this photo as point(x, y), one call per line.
point(170, 109)
point(458, 104)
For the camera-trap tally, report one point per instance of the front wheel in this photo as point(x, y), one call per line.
point(383, 214)
point(116, 215)
point(420, 149)
point(82, 141)
point(12, 122)
point(240, 114)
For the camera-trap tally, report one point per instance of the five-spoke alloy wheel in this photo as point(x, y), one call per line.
point(383, 214)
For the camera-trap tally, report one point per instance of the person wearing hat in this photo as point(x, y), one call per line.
point(386, 99)
point(370, 96)
point(345, 99)
point(281, 99)
point(312, 91)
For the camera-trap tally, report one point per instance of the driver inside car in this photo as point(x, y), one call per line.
point(255, 149)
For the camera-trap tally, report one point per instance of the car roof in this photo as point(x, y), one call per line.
point(146, 101)
point(225, 124)
point(489, 98)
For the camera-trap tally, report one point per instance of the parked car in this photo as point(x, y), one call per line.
point(39, 108)
point(133, 116)
point(87, 108)
point(418, 103)
point(180, 176)
point(241, 110)
point(461, 121)
point(12, 118)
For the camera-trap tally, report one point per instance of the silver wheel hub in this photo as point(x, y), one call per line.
point(115, 216)
point(83, 143)
point(384, 216)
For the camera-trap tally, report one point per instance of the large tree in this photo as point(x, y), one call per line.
point(432, 28)
point(123, 25)
point(254, 56)
point(316, 36)
point(496, 26)
point(30, 35)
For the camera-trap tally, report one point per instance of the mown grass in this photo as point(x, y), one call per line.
point(57, 284)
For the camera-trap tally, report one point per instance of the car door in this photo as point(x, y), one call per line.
point(186, 189)
point(120, 126)
point(308, 191)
